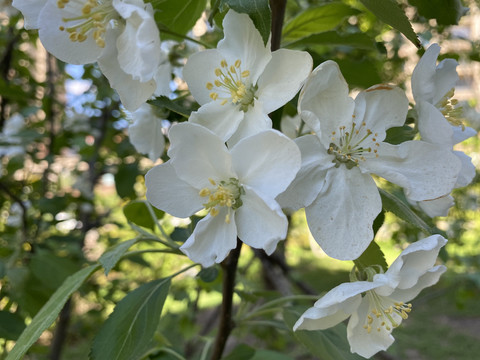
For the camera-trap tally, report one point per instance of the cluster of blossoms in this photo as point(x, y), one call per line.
point(228, 162)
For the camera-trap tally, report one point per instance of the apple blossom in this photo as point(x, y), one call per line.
point(439, 117)
point(334, 185)
point(121, 35)
point(236, 186)
point(385, 301)
point(241, 81)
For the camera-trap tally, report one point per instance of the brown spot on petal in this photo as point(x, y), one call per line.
point(379, 87)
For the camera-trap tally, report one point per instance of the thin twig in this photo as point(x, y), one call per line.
point(278, 15)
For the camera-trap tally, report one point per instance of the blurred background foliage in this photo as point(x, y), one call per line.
point(69, 172)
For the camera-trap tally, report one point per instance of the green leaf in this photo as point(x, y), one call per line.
point(373, 255)
point(240, 352)
point(446, 12)
point(333, 38)
point(110, 257)
point(129, 330)
point(125, 180)
point(178, 16)
point(390, 13)
point(11, 325)
point(49, 312)
point(399, 208)
point(399, 134)
point(330, 344)
point(208, 274)
point(270, 355)
point(165, 102)
point(258, 11)
point(136, 211)
point(316, 20)
point(51, 270)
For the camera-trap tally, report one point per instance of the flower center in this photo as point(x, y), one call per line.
point(385, 313)
point(93, 20)
point(447, 106)
point(232, 85)
point(349, 148)
point(226, 193)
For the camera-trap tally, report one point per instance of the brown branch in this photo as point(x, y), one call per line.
point(278, 14)
point(229, 266)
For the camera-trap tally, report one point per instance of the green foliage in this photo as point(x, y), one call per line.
point(257, 10)
point(446, 12)
point(164, 102)
point(111, 257)
point(178, 16)
point(129, 330)
point(389, 12)
point(47, 315)
point(137, 212)
point(316, 20)
point(11, 325)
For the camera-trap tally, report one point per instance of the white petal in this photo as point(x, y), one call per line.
point(223, 120)
point(416, 260)
point(199, 70)
point(167, 192)
point(423, 76)
point(310, 179)
point(326, 95)
point(334, 307)
point(211, 240)
point(425, 171)
point(460, 134)
point(267, 162)
point(467, 171)
point(146, 132)
point(133, 93)
point(243, 42)
point(364, 343)
point(433, 126)
point(381, 107)
point(198, 155)
point(279, 84)
point(30, 10)
point(260, 221)
point(254, 121)
point(446, 78)
point(437, 207)
point(341, 217)
point(57, 42)
point(162, 77)
point(138, 45)
point(430, 278)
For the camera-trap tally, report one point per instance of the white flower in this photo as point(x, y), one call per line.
point(242, 81)
point(121, 35)
point(439, 119)
point(385, 300)
point(294, 126)
point(334, 184)
point(10, 142)
point(236, 186)
point(146, 133)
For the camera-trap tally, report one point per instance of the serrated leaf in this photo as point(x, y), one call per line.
point(179, 16)
point(136, 211)
point(258, 11)
point(333, 38)
point(165, 102)
point(390, 13)
point(110, 257)
point(399, 208)
point(373, 255)
point(125, 179)
point(49, 312)
point(397, 135)
point(316, 20)
point(128, 331)
point(446, 12)
point(329, 344)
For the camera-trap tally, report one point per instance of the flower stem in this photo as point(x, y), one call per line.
point(229, 266)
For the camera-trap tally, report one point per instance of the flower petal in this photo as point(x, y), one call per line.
point(425, 171)
point(310, 179)
point(325, 94)
point(223, 120)
point(243, 42)
point(279, 84)
point(212, 239)
point(460, 134)
point(267, 162)
point(446, 78)
point(361, 341)
point(437, 207)
point(198, 155)
point(30, 10)
point(254, 121)
point(133, 93)
point(58, 42)
point(334, 307)
point(341, 217)
point(146, 134)
point(433, 126)
point(260, 221)
point(381, 107)
point(467, 171)
point(138, 45)
point(167, 192)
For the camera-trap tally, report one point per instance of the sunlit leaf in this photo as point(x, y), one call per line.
point(110, 257)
